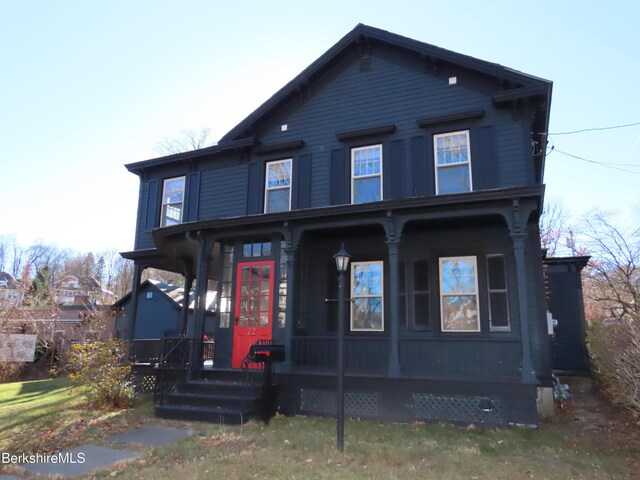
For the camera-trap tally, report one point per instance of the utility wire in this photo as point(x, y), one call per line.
point(592, 129)
point(604, 164)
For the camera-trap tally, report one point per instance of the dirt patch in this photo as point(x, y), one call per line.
point(593, 420)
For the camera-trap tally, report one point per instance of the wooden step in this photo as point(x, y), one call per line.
point(222, 416)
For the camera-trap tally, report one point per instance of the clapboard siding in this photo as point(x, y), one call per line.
point(223, 192)
point(397, 91)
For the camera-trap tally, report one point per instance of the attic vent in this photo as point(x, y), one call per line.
point(366, 64)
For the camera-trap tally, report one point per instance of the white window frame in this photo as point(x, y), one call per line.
point(435, 158)
point(504, 290)
point(163, 214)
point(442, 294)
point(355, 297)
point(266, 182)
point(359, 177)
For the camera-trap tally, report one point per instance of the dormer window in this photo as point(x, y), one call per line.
point(172, 201)
point(366, 174)
point(452, 162)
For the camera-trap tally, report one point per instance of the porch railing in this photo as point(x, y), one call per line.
point(149, 351)
point(362, 354)
point(470, 357)
point(420, 357)
point(146, 351)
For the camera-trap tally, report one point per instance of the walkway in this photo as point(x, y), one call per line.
point(87, 458)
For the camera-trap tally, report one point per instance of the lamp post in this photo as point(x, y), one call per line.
point(342, 263)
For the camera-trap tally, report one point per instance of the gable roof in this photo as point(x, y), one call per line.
point(517, 85)
point(174, 293)
point(529, 84)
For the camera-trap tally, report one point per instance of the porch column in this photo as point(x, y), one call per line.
point(133, 313)
point(202, 281)
point(517, 217)
point(184, 315)
point(394, 322)
point(291, 252)
point(528, 374)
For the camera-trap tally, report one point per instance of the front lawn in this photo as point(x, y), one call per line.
point(589, 440)
point(48, 415)
point(304, 448)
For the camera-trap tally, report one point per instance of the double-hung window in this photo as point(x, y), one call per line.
point(172, 201)
point(277, 189)
point(367, 312)
point(459, 294)
point(498, 296)
point(452, 162)
point(366, 174)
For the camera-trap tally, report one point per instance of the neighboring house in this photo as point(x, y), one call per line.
point(160, 311)
point(11, 292)
point(70, 291)
point(566, 304)
point(428, 165)
point(58, 327)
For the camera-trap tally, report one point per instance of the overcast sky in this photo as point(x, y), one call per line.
point(88, 86)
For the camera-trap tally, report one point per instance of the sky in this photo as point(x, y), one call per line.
point(88, 86)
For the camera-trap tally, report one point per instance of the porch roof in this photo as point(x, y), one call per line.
point(453, 202)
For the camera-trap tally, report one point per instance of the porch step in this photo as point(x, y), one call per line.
point(206, 414)
point(221, 397)
point(250, 401)
point(215, 387)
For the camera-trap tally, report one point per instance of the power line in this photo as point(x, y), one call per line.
point(603, 164)
point(612, 127)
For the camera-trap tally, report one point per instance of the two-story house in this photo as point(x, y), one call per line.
point(428, 165)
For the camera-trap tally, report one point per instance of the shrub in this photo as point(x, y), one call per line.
point(98, 368)
point(615, 354)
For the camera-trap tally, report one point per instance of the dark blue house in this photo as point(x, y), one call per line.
point(428, 165)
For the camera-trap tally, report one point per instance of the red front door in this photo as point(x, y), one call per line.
point(253, 307)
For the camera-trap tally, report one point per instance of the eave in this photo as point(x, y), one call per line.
point(234, 145)
point(448, 202)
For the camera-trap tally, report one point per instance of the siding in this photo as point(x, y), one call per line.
point(398, 92)
point(223, 192)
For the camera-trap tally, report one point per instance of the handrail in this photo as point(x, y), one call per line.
point(166, 386)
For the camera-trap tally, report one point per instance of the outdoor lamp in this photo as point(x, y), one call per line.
point(342, 259)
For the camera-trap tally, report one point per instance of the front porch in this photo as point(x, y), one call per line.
point(276, 281)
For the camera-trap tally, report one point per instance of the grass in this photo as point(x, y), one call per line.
point(48, 415)
point(304, 447)
point(43, 416)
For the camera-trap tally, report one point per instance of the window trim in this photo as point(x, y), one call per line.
point(367, 147)
point(435, 159)
point(354, 297)
point(266, 182)
point(504, 290)
point(163, 204)
point(441, 294)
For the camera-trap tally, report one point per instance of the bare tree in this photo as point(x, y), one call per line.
point(553, 227)
point(190, 140)
point(612, 277)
